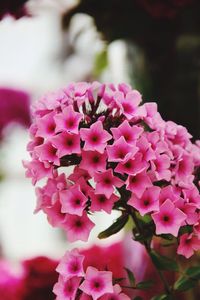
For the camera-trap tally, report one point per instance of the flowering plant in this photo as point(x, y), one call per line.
point(125, 157)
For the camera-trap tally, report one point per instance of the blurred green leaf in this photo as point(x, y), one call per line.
point(131, 277)
point(143, 285)
point(101, 62)
point(163, 262)
point(188, 280)
point(115, 227)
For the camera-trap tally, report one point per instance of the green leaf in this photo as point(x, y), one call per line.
point(188, 280)
point(137, 298)
point(162, 297)
point(163, 262)
point(143, 285)
point(131, 277)
point(101, 62)
point(115, 227)
point(193, 272)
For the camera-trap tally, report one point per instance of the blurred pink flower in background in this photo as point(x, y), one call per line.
point(15, 8)
point(14, 108)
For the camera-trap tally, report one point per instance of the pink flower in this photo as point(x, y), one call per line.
point(117, 295)
point(79, 173)
point(71, 264)
point(120, 151)
point(130, 133)
point(161, 167)
point(97, 283)
point(132, 165)
point(37, 170)
point(46, 125)
point(46, 152)
point(93, 161)
point(188, 244)
point(101, 202)
point(95, 137)
point(130, 103)
point(169, 219)
point(65, 289)
point(148, 202)
point(66, 143)
point(77, 227)
point(73, 200)
point(138, 183)
point(168, 192)
point(184, 168)
point(68, 120)
point(14, 106)
point(106, 182)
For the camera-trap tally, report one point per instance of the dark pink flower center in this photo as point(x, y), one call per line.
point(74, 267)
point(97, 284)
point(127, 108)
point(128, 165)
point(95, 138)
point(102, 199)
point(69, 142)
point(95, 159)
point(69, 289)
point(77, 201)
point(51, 127)
point(107, 181)
point(70, 123)
point(146, 202)
point(166, 218)
point(78, 223)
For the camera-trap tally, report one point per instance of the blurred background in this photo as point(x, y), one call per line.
point(44, 44)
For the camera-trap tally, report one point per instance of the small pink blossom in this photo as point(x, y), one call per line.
point(106, 182)
point(37, 170)
point(66, 289)
point(73, 200)
point(46, 125)
point(188, 244)
point(148, 202)
point(130, 133)
point(93, 161)
point(77, 227)
point(46, 152)
point(97, 283)
point(68, 120)
point(120, 151)
point(161, 167)
point(169, 219)
point(138, 183)
point(66, 143)
point(95, 137)
point(132, 166)
point(117, 295)
point(101, 202)
point(71, 264)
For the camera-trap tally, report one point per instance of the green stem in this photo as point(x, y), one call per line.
point(148, 249)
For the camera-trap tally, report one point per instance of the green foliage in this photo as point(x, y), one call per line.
point(188, 280)
point(162, 297)
point(131, 277)
point(101, 62)
point(115, 227)
point(143, 285)
point(163, 262)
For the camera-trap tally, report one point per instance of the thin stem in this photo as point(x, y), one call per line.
point(148, 249)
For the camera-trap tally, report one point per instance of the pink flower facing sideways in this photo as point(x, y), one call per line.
point(112, 152)
point(75, 283)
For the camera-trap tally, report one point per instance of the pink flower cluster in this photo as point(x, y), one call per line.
point(79, 278)
point(100, 148)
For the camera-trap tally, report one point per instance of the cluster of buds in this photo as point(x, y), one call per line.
point(101, 149)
